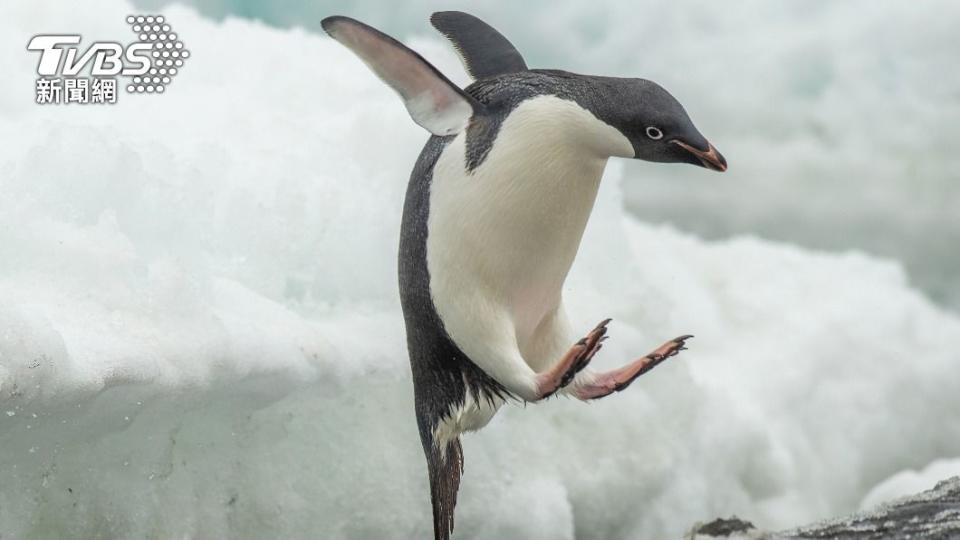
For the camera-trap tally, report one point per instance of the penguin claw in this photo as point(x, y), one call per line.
point(576, 359)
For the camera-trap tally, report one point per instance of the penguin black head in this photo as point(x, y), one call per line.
point(657, 126)
point(654, 123)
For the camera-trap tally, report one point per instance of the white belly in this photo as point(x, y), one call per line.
point(503, 238)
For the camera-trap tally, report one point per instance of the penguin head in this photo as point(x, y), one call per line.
point(659, 128)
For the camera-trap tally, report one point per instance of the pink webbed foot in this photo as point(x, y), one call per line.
point(607, 383)
point(577, 358)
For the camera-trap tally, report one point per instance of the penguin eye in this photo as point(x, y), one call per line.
point(654, 133)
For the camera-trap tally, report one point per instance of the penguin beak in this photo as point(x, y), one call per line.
point(710, 158)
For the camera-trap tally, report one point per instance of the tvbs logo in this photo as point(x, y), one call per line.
point(148, 64)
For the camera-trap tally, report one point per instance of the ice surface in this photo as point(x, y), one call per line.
point(200, 334)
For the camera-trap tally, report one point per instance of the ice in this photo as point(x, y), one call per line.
point(198, 302)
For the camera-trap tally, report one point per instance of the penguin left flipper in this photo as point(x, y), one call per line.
point(483, 51)
point(435, 103)
point(604, 384)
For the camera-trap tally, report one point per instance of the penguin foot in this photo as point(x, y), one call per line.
point(604, 384)
point(577, 358)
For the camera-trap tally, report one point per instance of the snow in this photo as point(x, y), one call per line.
point(200, 334)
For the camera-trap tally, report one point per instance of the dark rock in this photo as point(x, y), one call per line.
point(931, 514)
point(721, 528)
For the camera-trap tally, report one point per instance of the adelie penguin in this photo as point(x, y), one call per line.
point(494, 213)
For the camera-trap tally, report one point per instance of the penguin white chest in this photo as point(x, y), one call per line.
point(502, 237)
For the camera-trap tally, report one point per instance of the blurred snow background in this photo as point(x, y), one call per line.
point(199, 329)
point(838, 118)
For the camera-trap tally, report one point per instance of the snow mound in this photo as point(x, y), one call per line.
point(200, 334)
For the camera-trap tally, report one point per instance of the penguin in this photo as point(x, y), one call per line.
point(493, 217)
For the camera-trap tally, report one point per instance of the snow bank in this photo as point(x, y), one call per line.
point(200, 335)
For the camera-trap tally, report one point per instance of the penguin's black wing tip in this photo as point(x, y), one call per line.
point(484, 51)
point(329, 24)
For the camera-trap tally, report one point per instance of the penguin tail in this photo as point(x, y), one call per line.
point(445, 465)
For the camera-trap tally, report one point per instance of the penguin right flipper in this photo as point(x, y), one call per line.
point(484, 51)
point(435, 103)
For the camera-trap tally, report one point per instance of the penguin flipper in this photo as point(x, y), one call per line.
point(435, 103)
point(483, 51)
point(445, 466)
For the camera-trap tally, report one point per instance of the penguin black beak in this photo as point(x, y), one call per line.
point(710, 158)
